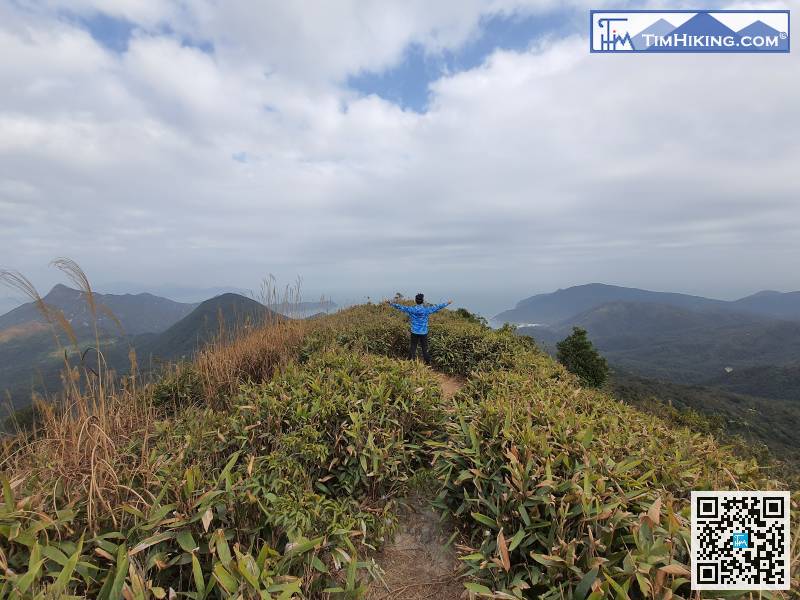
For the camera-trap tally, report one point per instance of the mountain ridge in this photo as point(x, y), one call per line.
point(680, 345)
point(326, 428)
point(136, 313)
point(28, 359)
point(555, 307)
point(226, 312)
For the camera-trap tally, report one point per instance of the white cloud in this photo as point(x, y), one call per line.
point(555, 164)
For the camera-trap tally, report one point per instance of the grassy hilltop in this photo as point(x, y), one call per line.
point(272, 466)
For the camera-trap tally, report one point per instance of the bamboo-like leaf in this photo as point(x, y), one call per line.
point(8, 494)
point(477, 588)
point(228, 466)
point(483, 519)
point(224, 578)
point(585, 584)
point(197, 575)
point(186, 541)
point(654, 513)
point(121, 570)
point(23, 582)
point(221, 545)
point(503, 551)
point(151, 541)
point(208, 516)
point(61, 582)
point(516, 540)
point(304, 546)
point(674, 569)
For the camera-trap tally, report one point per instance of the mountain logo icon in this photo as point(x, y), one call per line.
point(681, 31)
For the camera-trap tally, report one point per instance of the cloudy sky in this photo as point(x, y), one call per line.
point(470, 149)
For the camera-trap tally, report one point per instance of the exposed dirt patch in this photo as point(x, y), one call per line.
point(418, 564)
point(450, 384)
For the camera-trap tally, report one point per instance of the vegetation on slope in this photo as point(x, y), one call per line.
point(270, 468)
point(766, 381)
point(758, 426)
point(579, 356)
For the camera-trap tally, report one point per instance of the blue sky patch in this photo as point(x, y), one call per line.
point(114, 33)
point(406, 84)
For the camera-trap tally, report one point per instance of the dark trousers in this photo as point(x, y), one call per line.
point(422, 339)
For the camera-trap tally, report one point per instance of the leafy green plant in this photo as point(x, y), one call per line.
point(280, 494)
point(178, 387)
point(458, 346)
point(580, 357)
point(567, 493)
point(470, 317)
point(285, 484)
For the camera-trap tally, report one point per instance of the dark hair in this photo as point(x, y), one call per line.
point(419, 298)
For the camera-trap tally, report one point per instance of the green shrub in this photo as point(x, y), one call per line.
point(579, 356)
point(559, 490)
point(353, 425)
point(469, 317)
point(181, 386)
point(266, 498)
point(458, 346)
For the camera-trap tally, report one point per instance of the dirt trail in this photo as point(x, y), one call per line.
point(418, 564)
point(450, 385)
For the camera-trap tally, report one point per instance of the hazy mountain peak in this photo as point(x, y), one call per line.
point(60, 290)
point(566, 303)
point(227, 311)
point(140, 313)
point(230, 297)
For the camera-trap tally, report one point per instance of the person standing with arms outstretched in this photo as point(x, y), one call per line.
point(418, 317)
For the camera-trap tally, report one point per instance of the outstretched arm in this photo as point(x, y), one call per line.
point(399, 307)
point(439, 307)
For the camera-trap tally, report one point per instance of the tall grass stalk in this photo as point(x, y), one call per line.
point(244, 351)
point(91, 444)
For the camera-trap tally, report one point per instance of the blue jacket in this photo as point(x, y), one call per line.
point(418, 314)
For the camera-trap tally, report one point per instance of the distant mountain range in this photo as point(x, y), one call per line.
point(136, 313)
point(678, 344)
point(735, 361)
point(556, 307)
point(8, 303)
point(304, 310)
point(749, 346)
point(180, 293)
point(771, 304)
point(221, 315)
point(159, 329)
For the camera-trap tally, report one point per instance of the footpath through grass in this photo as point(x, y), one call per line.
point(281, 481)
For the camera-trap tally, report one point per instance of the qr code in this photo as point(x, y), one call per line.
point(740, 540)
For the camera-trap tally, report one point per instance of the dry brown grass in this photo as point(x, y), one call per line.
point(91, 444)
point(251, 354)
point(87, 448)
